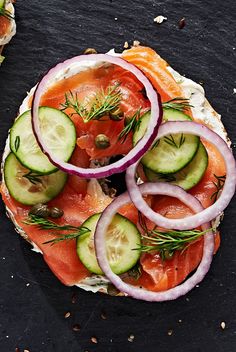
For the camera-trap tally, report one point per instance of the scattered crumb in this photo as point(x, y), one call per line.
point(26, 350)
point(136, 43)
point(94, 339)
point(126, 45)
point(234, 91)
point(7, 337)
point(182, 23)
point(67, 315)
point(3, 258)
point(76, 327)
point(131, 338)
point(12, 276)
point(73, 298)
point(27, 284)
point(116, 18)
point(197, 285)
point(17, 349)
point(180, 320)
point(201, 82)
point(170, 332)
point(223, 325)
point(234, 48)
point(103, 316)
point(187, 299)
point(159, 19)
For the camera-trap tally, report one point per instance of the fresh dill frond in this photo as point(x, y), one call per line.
point(17, 143)
point(219, 184)
point(104, 101)
point(34, 177)
point(45, 224)
point(178, 103)
point(172, 141)
point(68, 237)
point(132, 125)
point(167, 242)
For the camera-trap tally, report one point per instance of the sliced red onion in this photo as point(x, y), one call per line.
point(136, 292)
point(205, 215)
point(135, 153)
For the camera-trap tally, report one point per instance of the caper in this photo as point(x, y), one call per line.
point(102, 141)
point(112, 290)
point(56, 212)
point(40, 209)
point(89, 51)
point(116, 114)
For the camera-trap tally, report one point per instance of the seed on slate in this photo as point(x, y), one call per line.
point(94, 339)
point(182, 23)
point(76, 327)
point(89, 51)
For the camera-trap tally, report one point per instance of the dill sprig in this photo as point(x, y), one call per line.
point(166, 177)
point(167, 242)
point(68, 237)
point(177, 104)
point(33, 177)
point(132, 125)
point(219, 184)
point(103, 102)
point(5, 13)
point(45, 224)
point(173, 142)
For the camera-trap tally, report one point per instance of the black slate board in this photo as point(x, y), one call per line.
point(32, 300)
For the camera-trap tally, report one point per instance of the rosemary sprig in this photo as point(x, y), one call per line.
point(167, 242)
point(173, 142)
point(104, 102)
point(45, 224)
point(132, 125)
point(33, 177)
point(177, 104)
point(219, 184)
point(7, 14)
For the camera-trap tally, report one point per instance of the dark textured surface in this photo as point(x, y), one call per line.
point(32, 301)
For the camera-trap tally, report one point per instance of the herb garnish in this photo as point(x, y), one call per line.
point(45, 224)
point(172, 142)
point(132, 125)
point(219, 186)
point(166, 242)
point(5, 13)
point(166, 177)
point(169, 241)
point(33, 177)
point(17, 143)
point(103, 102)
point(177, 104)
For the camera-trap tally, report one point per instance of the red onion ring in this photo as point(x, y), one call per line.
point(135, 153)
point(135, 292)
point(205, 215)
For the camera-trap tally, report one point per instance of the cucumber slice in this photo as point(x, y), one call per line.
point(121, 239)
point(40, 189)
point(171, 153)
point(58, 131)
point(2, 3)
point(189, 176)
